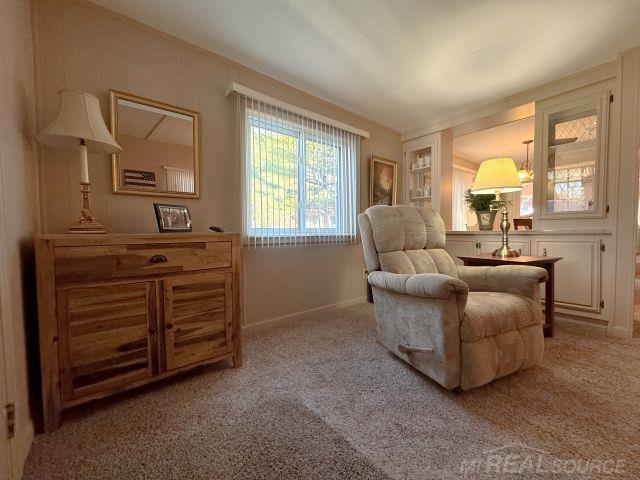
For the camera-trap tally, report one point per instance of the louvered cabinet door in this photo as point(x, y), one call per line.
point(198, 313)
point(107, 337)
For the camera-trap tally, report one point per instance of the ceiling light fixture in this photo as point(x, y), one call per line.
point(525, 174)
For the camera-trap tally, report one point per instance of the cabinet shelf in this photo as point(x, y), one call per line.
point(573, 147)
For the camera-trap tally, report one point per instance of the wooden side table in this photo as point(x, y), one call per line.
point(486, 259)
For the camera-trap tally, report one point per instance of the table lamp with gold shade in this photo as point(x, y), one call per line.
point(498, 176)
point(79, 124)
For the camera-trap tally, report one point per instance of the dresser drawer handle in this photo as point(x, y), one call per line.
point(169, 326)
point(158, 259)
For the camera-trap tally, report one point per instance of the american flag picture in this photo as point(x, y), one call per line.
point(139, 179)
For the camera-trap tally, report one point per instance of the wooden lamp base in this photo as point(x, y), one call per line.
point(86, 224)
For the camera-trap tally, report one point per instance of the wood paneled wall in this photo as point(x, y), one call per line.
point(80, 45)
point(18, 224)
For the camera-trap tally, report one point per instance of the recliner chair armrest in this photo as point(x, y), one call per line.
point(427, 285)
point(519, 279)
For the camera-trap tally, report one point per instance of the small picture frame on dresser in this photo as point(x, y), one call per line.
point(172, 218)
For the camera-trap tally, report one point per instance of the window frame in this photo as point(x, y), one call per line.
point(301, 234)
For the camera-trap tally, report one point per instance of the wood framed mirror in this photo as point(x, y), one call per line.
point(160, 148)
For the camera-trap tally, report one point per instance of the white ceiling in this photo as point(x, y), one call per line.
point(151, 125)
point(404, 63)
point(136, 122)
point(503, 141)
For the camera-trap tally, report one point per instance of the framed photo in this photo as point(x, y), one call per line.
point(172, 218)
point(383, 181)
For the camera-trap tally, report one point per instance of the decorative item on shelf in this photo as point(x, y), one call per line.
point(382, 181)
point(481, 205)
point(525, 174)
point(79, 124)
point(422, 162)
point(498, 176)
point(172, 218)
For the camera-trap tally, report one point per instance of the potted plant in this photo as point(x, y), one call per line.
point(481, 204)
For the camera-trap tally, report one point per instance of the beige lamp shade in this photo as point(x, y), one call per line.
point(79, 118)
point(496, 175)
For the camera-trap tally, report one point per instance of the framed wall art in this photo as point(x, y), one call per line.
point(383, 181)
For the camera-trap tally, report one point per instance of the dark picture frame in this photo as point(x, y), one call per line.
point(172, 218)
point(383, 181)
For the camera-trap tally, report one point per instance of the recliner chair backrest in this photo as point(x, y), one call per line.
point(403, 239)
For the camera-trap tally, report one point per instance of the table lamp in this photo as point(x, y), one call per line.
point(79, 124)
point(499, 175)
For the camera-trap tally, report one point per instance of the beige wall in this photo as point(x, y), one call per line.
point(18, 216)
point(83, 46)
point(464, 163)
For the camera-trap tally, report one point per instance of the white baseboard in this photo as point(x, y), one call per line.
point(291, 316)
point(584, 323)
point(622, 332)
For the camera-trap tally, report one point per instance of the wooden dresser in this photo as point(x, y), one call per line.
point(120, 311)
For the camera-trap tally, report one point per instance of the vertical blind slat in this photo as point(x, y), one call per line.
point(260, 197)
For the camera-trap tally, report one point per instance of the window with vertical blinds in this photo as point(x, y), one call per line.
point(299, 177)
point(179, 180)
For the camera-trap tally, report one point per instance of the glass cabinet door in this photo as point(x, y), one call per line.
point(420, 169)
point(427, 173)
point(574, 156)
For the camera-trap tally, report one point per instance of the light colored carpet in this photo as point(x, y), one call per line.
point(319, 398)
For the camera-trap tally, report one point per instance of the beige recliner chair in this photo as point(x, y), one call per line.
point(461, 326)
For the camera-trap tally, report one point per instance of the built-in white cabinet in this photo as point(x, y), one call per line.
point(427, 173)
point(461, 247)
point(578, 273)
point(582, 287)
point(488, 246)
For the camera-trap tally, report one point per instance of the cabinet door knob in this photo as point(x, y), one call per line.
point(158, 259)
point(169, 326)
point(152, 330)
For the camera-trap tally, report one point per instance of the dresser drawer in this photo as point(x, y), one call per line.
point(97, 262)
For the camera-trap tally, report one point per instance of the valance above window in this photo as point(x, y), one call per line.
point(299, 176)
